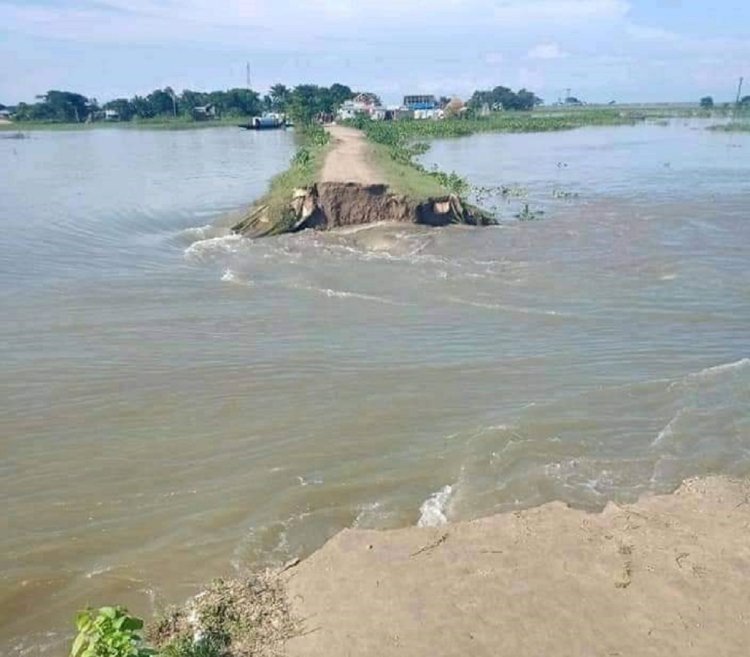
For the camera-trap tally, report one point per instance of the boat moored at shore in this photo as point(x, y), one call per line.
point(266, 122)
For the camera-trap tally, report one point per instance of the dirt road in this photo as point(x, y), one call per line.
point(350, 159)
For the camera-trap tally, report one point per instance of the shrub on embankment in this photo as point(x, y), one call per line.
point(302, 173)
point(244, 617)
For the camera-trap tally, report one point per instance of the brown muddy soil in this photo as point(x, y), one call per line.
point(325, 206)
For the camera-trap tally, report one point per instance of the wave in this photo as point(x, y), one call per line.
point(710, 372)
point(232, 277)
point(209, 249)
point(668, 431)
point(345, 294)
point(432, 511)
point(507, 308)
point(198, 232)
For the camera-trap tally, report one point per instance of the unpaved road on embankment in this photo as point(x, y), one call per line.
point(350, 159)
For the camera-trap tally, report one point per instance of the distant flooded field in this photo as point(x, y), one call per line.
point(178, 403)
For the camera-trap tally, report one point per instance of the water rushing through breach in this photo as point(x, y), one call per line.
point(178, 403)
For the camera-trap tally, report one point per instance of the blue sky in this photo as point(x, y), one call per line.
point(628, 50)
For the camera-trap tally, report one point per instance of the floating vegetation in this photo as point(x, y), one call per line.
point(452, 182)
point(513, 191)
point(529, 215)
point(15, 135)
point(735, 126)
point(392, 132)
point(562, 194)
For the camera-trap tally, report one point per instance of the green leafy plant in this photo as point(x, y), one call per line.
point(109, 632)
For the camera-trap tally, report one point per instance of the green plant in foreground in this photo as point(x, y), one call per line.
point(109, 632)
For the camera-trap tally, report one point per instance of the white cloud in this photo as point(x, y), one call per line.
point(561, 11)
point(444, 46)
point(646, 33)
point(292, 21)
point(546, 51)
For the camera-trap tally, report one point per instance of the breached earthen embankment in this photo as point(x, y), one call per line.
point(325, 206)
point(352, 191)
point(667, 575)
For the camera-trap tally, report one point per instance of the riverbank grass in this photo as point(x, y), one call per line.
point(302, 174)
point(405, 178)
point(273, 208)
point(230, 618)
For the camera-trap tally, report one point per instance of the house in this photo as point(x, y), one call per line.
point(424, 102)
point(111, 115)
point(381, 114)
point(364, 103)
point(424, 106)
point(204, 112)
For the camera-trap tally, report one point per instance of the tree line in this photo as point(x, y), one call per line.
point(303, 103)
point(502, 98)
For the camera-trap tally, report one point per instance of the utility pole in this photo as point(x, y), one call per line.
point(739, 91)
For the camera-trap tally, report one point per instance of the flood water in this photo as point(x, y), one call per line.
point(178, 404)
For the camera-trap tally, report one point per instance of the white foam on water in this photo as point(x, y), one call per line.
point(315, 481)
point(710, 372)
point(368, 513)
point(230, 277)
point(209, 249)
point(99, 571)
point(198, 232)
point(344, 294)
point(432, 511)
point(668, 431)
point(507, 308)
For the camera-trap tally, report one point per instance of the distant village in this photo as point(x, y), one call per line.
point(304, 104)
point(413, 107)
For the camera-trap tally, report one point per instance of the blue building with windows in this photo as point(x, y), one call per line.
point(428, 102)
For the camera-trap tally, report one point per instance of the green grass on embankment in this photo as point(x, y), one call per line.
point(404, 177)
point(303, 172)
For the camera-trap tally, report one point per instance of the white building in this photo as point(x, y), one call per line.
point(364, 103)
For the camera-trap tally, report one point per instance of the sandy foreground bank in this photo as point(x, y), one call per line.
point(669, 575)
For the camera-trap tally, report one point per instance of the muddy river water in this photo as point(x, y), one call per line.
point(177, 403)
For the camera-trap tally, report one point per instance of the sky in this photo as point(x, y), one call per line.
point(602, 50)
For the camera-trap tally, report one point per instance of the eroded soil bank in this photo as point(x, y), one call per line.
point(334, 204)
point(351, 190)
point(668, 575)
